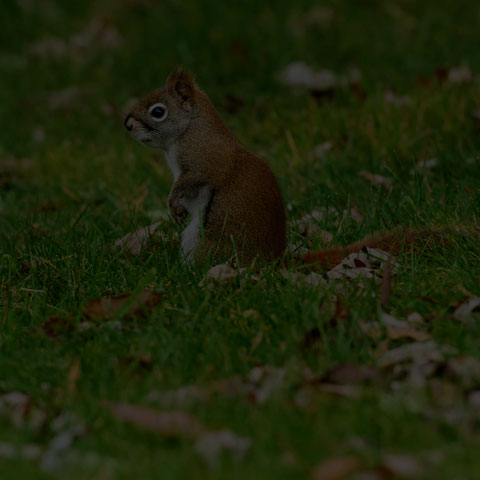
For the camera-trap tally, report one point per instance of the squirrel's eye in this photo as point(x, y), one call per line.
point(158, 111)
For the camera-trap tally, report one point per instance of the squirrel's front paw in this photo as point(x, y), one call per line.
point(178, 211)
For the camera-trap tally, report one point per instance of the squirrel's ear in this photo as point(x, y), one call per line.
point(181, 83)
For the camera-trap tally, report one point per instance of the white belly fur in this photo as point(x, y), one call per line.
point(171, 157)
point(191, 235)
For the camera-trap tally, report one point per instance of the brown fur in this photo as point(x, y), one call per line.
point(394, 242)
point(245, 211)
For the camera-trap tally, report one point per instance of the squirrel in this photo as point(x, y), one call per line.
point(231, 195)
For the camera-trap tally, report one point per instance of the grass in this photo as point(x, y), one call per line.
point(86, 183)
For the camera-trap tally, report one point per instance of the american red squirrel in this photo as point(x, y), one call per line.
point(232, 195)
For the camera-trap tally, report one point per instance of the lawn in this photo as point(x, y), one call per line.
point(269, 374)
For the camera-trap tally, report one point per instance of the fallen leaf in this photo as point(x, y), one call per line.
point(354, 214)
point(397, 329)
point(222, 273)
point(459, 75)
point(210, 445)
point(404, 466)
point(376, 179)
point(299, 74)
point(397, 100)
point(349, 374)
point(67, 431)
point(466, 310)
point(416, 352)
point(136, 241)
point(259, 386)
point(169, 424)
point(466, 371)
point(312, 279)
point(321, 150)
point(182, 397)
point(424, 165)
point(127, 304)
point(251, 313)
point(365, 264)
point(337, 468)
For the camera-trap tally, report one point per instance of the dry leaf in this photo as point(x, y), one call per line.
point(259, 386)
point(128, 304)
point(355, 214)
point(321, 150)
point(312, 279)
point(299, 74)
point(169, 424)
point(67, 432)
point(136, 241)
point(365, 264)
point(416, 352)
point(376, 179)
point(459, 75)
point(466, 371)
point(465, 311)
point(182, 397)
point(397, 100)
point(415, 318)
point(251, 313)
point(26, 452)
point(210, 445)
point(404, 466)
point(397, 329)
point(337, 468)
point(424, 165)
point(222, 273)
point(349, 374)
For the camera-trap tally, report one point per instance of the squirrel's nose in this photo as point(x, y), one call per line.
point(128, 123)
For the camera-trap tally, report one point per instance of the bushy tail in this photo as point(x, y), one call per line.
point(394, 243)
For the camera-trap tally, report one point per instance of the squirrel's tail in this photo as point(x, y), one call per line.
point(394, 243)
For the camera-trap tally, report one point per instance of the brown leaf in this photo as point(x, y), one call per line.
point(210, 445)
point(416, 352)
point(136, 241)
point(404, 466)
point(128, 304)
point(336, 468)
point(349, 374)
point(465, 311)
point(424, 165)
point(376, 179)
point(182, 397)
point(397, 329)
point(397, 100)
point(169, 424)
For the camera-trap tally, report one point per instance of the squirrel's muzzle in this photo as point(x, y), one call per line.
point(128, 123)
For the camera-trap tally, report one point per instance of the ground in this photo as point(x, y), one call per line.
point(298, 373)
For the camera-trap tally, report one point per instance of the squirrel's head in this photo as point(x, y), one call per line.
point(164, 114)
